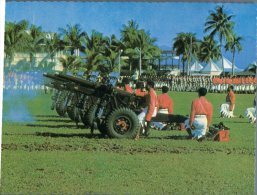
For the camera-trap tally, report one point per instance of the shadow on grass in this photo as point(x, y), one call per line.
point(71, 126)
point(50, 116)
point(56, 120)
point(237, 122)
point(176, 137)
point(81, 135)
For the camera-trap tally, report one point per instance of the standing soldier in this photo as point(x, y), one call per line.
point(242, 84)
point(151, 109)
point(252, 84)
point(140, 89)
point(247, 84)
point(126, 85)
point(219, 84)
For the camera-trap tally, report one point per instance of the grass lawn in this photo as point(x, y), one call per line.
point(43, 153)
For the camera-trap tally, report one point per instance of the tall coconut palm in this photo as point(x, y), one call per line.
point(35, 42)
point(234, 45)
point(145, 46)
point(185, 44)
point(14, 38)
point(53, 44)
point(72, 37)
point(139, 45)
point(71, 63)
point(208, 50)
point(113, 52)
point(95, 47)
point(128, 37)
point(219, 24)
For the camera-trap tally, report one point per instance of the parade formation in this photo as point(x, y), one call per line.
point(214, 84)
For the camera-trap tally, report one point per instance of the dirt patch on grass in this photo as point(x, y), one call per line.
point(110, 147)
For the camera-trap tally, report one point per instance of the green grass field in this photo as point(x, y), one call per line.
point(50, 155)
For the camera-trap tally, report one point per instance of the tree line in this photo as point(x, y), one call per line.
point(134, 49)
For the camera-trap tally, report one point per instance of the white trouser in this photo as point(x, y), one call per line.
point(250, 113)
point(141, 116)
point(224, 110)
point(200, 124)
point(160, 125)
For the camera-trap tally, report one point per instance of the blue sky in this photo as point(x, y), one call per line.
point(163, 20)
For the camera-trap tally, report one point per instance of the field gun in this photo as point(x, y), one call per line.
point(113, 111)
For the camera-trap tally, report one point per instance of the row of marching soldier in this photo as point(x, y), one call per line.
point(218, 84)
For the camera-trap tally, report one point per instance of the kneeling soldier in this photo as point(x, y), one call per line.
point(200, 117)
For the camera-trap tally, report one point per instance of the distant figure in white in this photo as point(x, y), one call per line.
point(250, 113)
point(227, 109)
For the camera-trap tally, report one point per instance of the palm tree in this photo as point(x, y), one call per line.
point(233, 45)
point(185, 44)
point(35, 41)
point(128, 37)
point(71, 63)
point(53, 44)
point(147, 49)
point(14, 38)
point(139, 46)
point(208, 50)
point(95, 48)
point(219, 23)
point(113, 52)
point(72, 37)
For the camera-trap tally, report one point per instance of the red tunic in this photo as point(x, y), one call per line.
point(128, 88)
point(152, 102)
point(165, 102)
point(214, 81)
point(140, 93)
point(229, 81)
point(201, 106)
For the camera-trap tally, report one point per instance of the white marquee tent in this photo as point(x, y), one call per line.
point(227, 65)
point(211, 68)
point(196, 67)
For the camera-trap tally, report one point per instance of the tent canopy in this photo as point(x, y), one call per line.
point(196, 67)
point(227, 65)
point(212, 69)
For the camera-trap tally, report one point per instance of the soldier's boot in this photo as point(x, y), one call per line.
point(147, 130)
point(190, 136)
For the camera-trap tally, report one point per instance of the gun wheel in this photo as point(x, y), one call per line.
point(60, 109)
point(122, 123)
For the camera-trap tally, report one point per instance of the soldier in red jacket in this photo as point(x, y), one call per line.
point(165, 104)
point(151, 109)
point(127, 87)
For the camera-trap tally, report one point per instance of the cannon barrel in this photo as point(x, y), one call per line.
point(87, 87)
point(53, 77)
point(76, 80)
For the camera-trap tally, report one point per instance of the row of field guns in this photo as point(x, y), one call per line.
point(96, 104)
